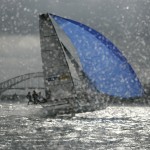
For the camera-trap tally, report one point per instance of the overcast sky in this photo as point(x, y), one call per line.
point(125, 22)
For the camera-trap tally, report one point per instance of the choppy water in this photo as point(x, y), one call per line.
point(115, 128)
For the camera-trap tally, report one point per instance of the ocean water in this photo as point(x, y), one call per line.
point(24, 127)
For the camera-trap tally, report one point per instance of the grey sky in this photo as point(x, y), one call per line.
point(125, 22)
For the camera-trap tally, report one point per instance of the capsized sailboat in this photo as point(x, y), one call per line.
point(82, 68)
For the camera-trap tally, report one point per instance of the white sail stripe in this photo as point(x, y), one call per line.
point(66, 41)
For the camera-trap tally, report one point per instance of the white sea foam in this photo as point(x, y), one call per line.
point(120, 128)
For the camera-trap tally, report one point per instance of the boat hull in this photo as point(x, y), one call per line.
point(74, 105)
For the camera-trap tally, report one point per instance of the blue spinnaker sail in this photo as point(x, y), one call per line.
point(102, 62)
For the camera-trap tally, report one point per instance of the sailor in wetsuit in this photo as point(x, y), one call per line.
point(29, 97)
point(35, 97)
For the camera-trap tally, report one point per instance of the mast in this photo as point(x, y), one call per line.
point(57, 77)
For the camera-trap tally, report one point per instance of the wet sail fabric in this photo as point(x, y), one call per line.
point(57, 77)
point(105, 66)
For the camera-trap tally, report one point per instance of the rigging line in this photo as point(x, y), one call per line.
point(63, 52)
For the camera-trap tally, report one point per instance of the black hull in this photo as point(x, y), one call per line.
point(73, 106)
